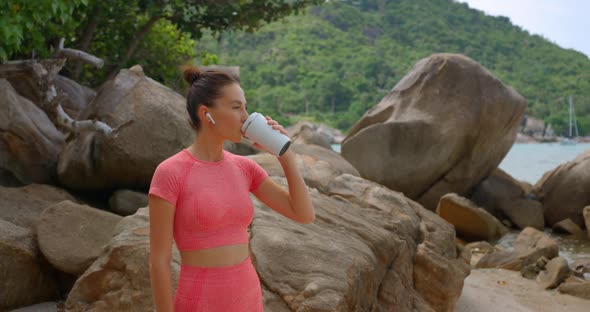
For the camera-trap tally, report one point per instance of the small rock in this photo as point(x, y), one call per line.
point(529, 246)
point(581, 266)
point(576, 289)
point(568, 226)
point(40, 307)
point(586, 213)
point(523, 212)
point(471, 222)
point(557, 270)
point(126, 202)
point(532, 270)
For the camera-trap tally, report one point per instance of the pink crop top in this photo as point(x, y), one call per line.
point(213, 206)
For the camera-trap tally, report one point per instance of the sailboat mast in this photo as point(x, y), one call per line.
point(574, 117)
point(570, 116)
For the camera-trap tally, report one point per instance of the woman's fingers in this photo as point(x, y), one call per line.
point(275, 125)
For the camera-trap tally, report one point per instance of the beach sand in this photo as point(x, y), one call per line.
point(491, 290)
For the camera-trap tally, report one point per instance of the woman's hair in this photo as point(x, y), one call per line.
point(204, 88)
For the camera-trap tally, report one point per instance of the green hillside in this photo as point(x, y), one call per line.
point(337, 60)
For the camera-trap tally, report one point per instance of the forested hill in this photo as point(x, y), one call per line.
point(337, 60)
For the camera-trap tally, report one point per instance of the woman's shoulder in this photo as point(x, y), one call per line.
point(175, 162)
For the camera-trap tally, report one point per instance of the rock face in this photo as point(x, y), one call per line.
point(24, 277)
point(586, 214)
point(450, 118)
point(29, 142)
point(523, 212)
point(318, 165)
point(471, 222)
point(136, 104)
point(120, 279)
point(23, 206)
point(497, 187)
point(72, 236)
point(370, 249)
point(564, 190)
point(529, 247)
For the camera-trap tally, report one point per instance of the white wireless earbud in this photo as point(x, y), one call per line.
point(209, 117)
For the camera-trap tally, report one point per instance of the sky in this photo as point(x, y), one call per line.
point(564, 22)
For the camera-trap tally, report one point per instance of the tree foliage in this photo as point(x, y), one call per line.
point(342, 57)
point(116, 30)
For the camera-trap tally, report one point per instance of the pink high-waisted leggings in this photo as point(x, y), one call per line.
point(219, 289)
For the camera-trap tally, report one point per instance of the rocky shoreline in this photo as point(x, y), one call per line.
point(407, 217)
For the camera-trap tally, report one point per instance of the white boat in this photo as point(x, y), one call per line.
point(572, 138)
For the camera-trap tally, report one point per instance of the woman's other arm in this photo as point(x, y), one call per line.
point(161, 225)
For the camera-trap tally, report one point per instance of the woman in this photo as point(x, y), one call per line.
point(200, 198)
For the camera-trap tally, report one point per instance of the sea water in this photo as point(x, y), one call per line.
point(528, 162)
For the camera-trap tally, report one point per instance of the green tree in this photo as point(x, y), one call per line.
point(115, 29)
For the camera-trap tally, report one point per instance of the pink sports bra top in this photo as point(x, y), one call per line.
point(212, 203)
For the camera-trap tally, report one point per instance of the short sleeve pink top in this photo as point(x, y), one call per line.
point(212, 203)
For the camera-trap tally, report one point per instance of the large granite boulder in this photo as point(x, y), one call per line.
point(564, 190)
point(72, 236)
point(23, 206)
point(369, 249)
point(25, 278)
point(29, 142)
point(119, 280)
point(139, 108)
point(442, 129)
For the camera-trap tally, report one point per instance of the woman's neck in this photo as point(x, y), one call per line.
point(207, 148)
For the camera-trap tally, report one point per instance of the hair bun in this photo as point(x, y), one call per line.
point(191, 74)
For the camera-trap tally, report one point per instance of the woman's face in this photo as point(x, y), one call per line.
point(229, 113)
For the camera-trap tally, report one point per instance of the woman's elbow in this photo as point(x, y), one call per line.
point(307, 218)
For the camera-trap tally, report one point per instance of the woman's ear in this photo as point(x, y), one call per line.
point(201, 113)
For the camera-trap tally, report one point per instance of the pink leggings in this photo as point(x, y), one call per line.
point(219, 289)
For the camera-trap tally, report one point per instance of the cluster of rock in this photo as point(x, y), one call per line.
point(536, 256)
point(75, 227)
point(439, 136)
point(304, 132)
point(416, 173)
point(534, 130)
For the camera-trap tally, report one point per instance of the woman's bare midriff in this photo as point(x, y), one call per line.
point(216, 256)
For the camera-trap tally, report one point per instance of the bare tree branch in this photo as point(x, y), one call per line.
point(77, 55)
